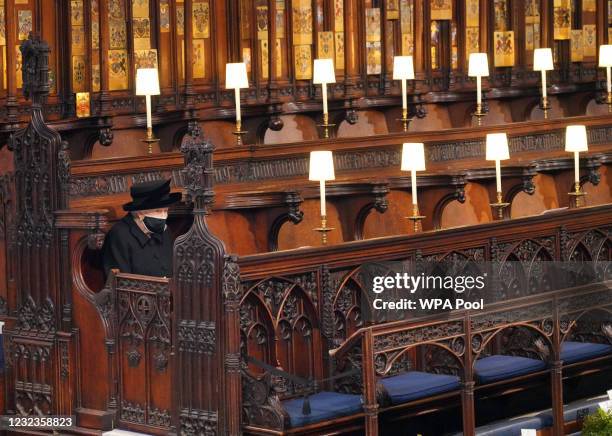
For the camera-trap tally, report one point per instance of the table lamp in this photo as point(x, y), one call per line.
point(575, 142)
point(321, 170)
point(236, 78)
point(323, 74)
point(413, 160)
point(497, 150)
point(605, 61)
point(479, 68)
point(403, 69)
point(147, 84)
point(543, 61)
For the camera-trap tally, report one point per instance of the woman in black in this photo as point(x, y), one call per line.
point(140, 242)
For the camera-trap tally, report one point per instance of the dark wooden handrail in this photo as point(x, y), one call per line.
point(431, 320)
point(387, 248)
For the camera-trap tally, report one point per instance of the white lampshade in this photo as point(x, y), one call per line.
point(605, 55)
point(403, 68)
point(497, 146)
point(321, 166)
point(478, 65)
point(413, 156)
point(324, 71)
point(236, 76)
point(576, 138)
point(147, 81)
point(542, 59)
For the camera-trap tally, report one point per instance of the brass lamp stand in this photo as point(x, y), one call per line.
point(405, 120)
point(416, 218)
point(577, 195)
point(499, 206)
point(150, 140)
point(325, 125)
point(479, 114)
point(323, 230)
point(239, 133)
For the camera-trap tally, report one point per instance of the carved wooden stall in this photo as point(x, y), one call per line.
point(535, 325)
point(111, 358)
point(40, 343)
point(312, 303)
point(97, 45)
point(321, 293)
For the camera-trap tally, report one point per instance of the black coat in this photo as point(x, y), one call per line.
point(129, 249)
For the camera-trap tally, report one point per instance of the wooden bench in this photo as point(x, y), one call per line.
point(474, 359)
point(327, 283)
point(306, 302)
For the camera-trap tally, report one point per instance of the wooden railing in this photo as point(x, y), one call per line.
point(544, 322)
point(324, 288)
point(315, 306)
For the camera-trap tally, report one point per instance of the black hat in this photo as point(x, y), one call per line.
point(151, 195)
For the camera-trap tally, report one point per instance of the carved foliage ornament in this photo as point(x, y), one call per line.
point(35, 68)
point(197, 337)
point(198, 172)
point(232, 287)
point(198, 422)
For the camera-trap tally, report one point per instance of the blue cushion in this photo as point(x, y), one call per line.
point(414, 384)
point(572, 352)
point(323, 406)
point(500, 367)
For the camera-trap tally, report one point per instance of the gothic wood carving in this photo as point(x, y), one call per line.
point(42, 282)
point(206, 326)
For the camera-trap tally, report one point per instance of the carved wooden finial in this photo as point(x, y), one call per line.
point(198, 173)
point(35, 68)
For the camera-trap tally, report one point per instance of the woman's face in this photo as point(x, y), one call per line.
point(153, 213)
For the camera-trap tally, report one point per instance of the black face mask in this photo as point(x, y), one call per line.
point(155, 225)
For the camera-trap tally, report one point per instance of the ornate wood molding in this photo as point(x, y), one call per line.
point(254, 169)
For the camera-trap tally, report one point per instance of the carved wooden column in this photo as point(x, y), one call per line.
point(232, 294)
point(272, 55)
point(352, 49)
point(207, 291)
point(11, 61)
point(104, 46)
point(220, 29)
point(233, 31)
point(370, 405)
point(556, 373)
point(188, 92)
point(421, 36)
point(547, 24)
point(40, 376)
point(485, 26)
point(467, 390)
point(602, 22)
